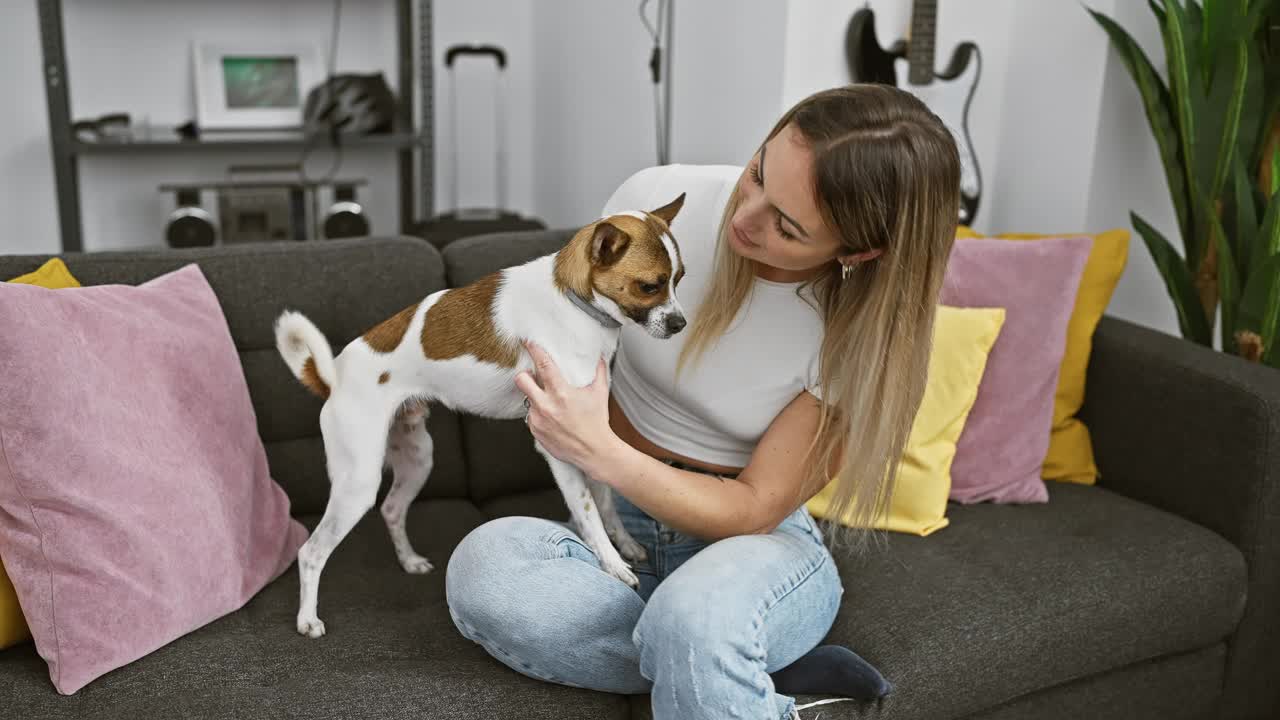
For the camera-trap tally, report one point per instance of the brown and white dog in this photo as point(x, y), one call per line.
point(463, 348)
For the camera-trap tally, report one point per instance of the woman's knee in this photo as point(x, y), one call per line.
point(736, 597)
point(690, 614)
point(482, 576)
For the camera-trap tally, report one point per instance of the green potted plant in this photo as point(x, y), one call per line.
point(1216, 123)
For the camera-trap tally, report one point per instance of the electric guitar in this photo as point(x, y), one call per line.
point(910, 65)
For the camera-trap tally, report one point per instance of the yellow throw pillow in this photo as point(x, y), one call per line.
point(1070, 456)
point(962, 339)
point(13, 627)
point(53, 275)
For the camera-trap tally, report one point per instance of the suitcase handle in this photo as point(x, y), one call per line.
point(496, 52)
point(500, 176)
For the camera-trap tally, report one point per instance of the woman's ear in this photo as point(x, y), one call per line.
point(855, 258)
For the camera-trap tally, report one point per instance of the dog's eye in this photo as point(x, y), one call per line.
point(649, 289)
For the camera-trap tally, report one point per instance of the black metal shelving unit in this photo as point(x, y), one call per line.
point(409, 140)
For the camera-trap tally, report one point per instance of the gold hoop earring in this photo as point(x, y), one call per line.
point(844, 271)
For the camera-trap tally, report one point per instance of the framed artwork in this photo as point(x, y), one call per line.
point(253, 85)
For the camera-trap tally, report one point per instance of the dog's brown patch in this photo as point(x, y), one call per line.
point(386, 335)
point(383, 378)
point(461, 323)
point(311, 379)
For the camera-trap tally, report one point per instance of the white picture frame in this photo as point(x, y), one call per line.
point(245, 85)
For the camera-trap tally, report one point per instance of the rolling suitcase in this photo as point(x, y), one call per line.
point(459, 223)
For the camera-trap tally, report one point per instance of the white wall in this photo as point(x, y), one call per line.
point(594, 108)
point(26, 169)
point(1056, 121)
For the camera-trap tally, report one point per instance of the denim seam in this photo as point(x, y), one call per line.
point(768, 605)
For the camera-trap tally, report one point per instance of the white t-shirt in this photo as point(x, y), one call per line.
point(768, 355)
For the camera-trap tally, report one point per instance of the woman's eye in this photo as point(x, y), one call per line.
point(755, 175)
point(777, 223)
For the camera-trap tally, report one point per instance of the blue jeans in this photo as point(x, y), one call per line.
point(707, 625)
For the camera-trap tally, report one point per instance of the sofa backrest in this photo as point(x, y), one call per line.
point(500, 455)
point(344, 286)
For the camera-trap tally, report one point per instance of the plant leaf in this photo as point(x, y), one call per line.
point(1225, 147)
point(1226, 107)
point(1267, 242)
point(1158, 106)
point(1228, 277)
point(1177, 281)
point(1246, 219)
point(1158, 11)
point(1275, 173)
point(1180, 53)
point(1211, 35)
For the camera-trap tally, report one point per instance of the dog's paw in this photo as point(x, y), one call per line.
point(415, 564)
point(311, 627)
point(622, 571)
point(632, 550)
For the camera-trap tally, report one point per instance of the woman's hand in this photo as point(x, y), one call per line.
point(572, 423)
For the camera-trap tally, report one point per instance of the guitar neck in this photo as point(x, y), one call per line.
point(924, 23)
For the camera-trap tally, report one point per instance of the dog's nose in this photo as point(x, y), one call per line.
point(675, 323)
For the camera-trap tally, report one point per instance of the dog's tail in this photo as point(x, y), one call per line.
point(307, 353)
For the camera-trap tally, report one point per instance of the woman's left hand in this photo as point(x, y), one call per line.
point(572, 423)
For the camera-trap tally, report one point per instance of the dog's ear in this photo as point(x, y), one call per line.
point(668, 212)
point(608, 243)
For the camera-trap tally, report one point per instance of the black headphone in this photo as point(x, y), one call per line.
point(190, 225)
point(346, 218)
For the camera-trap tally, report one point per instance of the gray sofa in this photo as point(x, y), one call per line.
point(1153, 595)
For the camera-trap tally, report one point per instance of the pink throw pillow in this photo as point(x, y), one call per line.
point(135, 501)
point(1006, 436)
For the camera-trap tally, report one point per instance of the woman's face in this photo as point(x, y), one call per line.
point(777, 222)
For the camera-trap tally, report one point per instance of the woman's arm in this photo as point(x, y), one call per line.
point(709, 507)
point(573, 425)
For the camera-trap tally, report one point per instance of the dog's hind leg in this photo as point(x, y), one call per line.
point(410, 452)
point(613, 527)
point(354, 447)
point(586, 517)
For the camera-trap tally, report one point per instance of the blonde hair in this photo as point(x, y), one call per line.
point(887, 177)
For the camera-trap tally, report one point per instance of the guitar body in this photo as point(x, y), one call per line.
point(948, 93)
point(867, 60)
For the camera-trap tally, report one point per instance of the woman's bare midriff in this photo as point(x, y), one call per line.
point(623, 428)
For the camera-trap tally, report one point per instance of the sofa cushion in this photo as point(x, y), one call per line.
point(344, 286)
point(391, 651)
point(994, 608)
point(1011, 600)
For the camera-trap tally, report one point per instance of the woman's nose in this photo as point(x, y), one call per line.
point(753, 212)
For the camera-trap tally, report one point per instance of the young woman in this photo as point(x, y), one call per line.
point(812, 275)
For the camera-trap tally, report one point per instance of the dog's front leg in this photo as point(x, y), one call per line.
point(613, 527)
point(586, 516)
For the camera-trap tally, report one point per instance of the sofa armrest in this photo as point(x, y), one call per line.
point(1197, 433)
